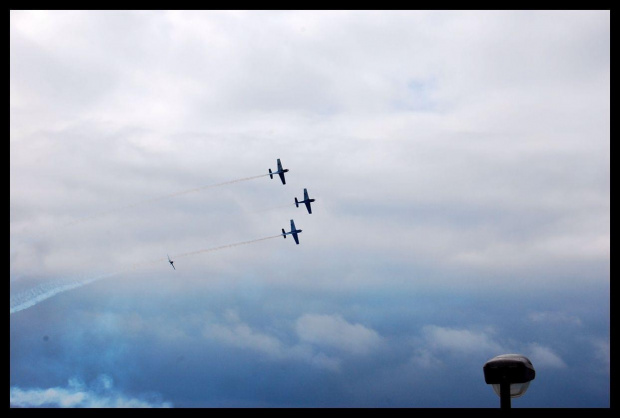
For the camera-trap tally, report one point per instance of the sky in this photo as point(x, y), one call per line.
point(460, 162)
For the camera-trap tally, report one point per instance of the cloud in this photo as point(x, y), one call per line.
point(239, 334)
point(544, 357)
point(486, 194)
point(459, 341)
point(76, 395)
point(314, 332)
point(437, 340)
point(236, 333)
point(334, 331)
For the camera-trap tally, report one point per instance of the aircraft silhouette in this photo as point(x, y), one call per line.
point(280, 172)
point(294, 231)
point(306, 200)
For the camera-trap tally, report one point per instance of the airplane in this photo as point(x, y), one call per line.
point(294, 231)
point(171, 262)
point(306, 200)
point(280, 172)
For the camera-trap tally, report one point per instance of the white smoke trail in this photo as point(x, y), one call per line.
point(155, 199)
point(206, 250)
point(31, 297)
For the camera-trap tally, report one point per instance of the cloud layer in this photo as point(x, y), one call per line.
point(77, 395)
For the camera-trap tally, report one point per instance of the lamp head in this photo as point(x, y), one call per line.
point(515, 369)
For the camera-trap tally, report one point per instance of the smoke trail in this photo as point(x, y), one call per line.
point(156, 199)
point(34, 296)
point(31, 297)
point(206, 250)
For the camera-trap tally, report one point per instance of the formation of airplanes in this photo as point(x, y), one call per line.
point(307, 201)
point(281, 172)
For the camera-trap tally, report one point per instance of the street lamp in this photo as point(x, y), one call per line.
point(510, 375)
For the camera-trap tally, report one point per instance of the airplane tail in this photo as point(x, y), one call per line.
point(296, 203)
point(283, 233)
point(270, 174)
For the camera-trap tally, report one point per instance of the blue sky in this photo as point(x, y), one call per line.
point(460, 163)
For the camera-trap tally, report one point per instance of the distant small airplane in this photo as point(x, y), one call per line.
point(171, 262)
point(306, 200)
point(280, 172)
point(294, 231)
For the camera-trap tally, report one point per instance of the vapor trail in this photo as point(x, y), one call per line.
point(34, 296)
point(156, 199)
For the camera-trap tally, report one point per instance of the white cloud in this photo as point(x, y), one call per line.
point(241, 335)
point(335, 331)
point(76, 395)
point(544, 357)
point(236, 333)
point(460, 341)
point(437, 340)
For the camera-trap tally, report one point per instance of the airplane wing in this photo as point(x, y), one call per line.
point(282, 176)
point(306, 194)
point(295, 238)
point(308, 206)
point(174, 267)
point(293, 226)
point(279, 165)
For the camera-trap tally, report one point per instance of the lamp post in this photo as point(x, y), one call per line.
point(510, 375)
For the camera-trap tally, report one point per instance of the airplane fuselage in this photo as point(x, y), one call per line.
point(297, 231)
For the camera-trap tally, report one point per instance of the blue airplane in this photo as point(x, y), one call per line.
point(280, 172)
point(171, 262)
point(294, 231)
point(306, 200)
